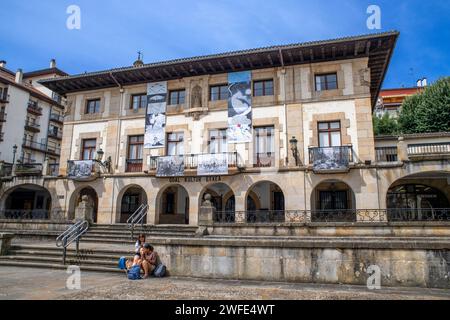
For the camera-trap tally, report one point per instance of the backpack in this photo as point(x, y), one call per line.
point(160, 271)
point(122, 263)
point(134, 273)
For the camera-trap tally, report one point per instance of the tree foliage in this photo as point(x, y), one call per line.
point(428, 111)
point(385, 125)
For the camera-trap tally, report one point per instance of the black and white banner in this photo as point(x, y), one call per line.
point(155, 118)
point(239, 107)
point(80, 169)
point(212, 164)
point(170, 166)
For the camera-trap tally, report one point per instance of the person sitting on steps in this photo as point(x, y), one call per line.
point(139, 243)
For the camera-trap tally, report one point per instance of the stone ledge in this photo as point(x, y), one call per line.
point(5, 242)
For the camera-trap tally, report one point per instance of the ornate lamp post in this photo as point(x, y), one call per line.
point(107, 163)
point(293, 143)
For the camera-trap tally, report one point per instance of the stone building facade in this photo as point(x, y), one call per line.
point(313, 156)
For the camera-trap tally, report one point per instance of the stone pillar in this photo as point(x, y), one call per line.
point(45, 167)
point(5, 243)
point(206, 212)
point(402, 149)
point(85, 210)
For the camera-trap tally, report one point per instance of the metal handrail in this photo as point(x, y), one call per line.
point(72, 234)
point(137, 218)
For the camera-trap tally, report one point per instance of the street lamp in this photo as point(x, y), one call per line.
point(14, 153)
point(100, 154)
point(293, 142)
point(107, 163)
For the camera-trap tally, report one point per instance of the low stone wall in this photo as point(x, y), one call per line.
point(5, 243)
point(34, 225)
point(393, 229)
point(402, 263)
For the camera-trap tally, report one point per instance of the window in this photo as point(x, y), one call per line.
point(329, 134)
point(217, 93)
point(138, 101)
point(326, 82)
point(177, 97)
point(264, 146)
point(175, 144)
point(333, 200)
point(135, 153)
point(93, 106)
point(218, 141)
point(263, 88)
point(88, 152)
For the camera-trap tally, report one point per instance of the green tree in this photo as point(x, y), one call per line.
point(428, 111)
point(385, 125)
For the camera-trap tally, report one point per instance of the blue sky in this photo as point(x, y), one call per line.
point(34, 31)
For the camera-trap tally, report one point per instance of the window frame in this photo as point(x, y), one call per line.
point(326, 83)
point(220, 93)
point(140, 106)
point(140, 141)
point(329, 130)
point(178, 100)
point(87, 110)
point(178, 141)
point(264, 88)
point(84, 148)
point(220, 139)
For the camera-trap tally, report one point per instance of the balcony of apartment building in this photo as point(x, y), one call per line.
point(53, 149)
point(2, 115)
point(33, 108)
point(32, 126)
point(27, 168)
point(57, 118)
point(4, 96)
point(55, 133)
point(53, 169)
point(34, 145)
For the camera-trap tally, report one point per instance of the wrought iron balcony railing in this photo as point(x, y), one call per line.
point(386, 154)
point(56, 117)
point(56, 134)
point(34, 145)
point(4, 96)
point(6, 169)
point(331, 158)
point(191, 161)
point(134, 165)
point(32, 126)
point(28, 169)
point(54, 149)
point(264, 160)
point(334, 216)
point(34, 108)
point(2, 116)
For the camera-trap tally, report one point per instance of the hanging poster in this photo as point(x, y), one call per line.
point(212, 164)
point(239, 107)
point(171, 166)
point(155, 118)
point(80, 169)
point(332, 158)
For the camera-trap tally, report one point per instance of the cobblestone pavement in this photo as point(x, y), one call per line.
point(43, 284)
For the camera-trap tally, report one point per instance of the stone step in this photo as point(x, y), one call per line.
point(45, 259)
point(71, 254)
point(71, 250)
point(42, 265)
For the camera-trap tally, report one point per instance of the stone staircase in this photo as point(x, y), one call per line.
point(101, 247)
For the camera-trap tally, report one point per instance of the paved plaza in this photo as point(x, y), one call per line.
point(45, 284)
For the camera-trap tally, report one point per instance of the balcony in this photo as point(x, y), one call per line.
point(386, 154)
point(33, 145)
point(55, 134)
point(331, 159)
point(53, 169)
point(134, 165)
point(33, 108)
point(264, 160)
point(82, 170)
point(196, 165)
point(32, 126)
point(57, 118)
point(2, 116)
point(2, 134)
point(53, 149)
point(6, 169)
point(429, 151)
point(28, 169)
point(4, 96)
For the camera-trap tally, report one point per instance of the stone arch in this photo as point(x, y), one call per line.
point(136, 196)
point(419, 196)
point(333, 200)
point(75, 199)
point(170, 201)
point(27, 200)
point(265, 202)
point(218, 190)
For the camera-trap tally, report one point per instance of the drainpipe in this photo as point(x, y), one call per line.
point(119, 129)
point(286, 135)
